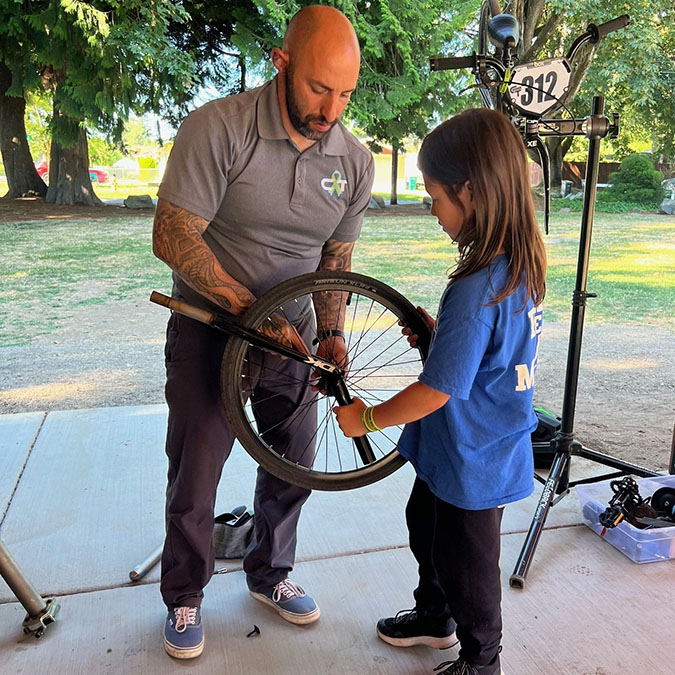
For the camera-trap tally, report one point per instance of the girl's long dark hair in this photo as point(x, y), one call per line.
point(483, 147)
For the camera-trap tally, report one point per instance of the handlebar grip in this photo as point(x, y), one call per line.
point(182, 308)
point(608, 27)
point(452, 63)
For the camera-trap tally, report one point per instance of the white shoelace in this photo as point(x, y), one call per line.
point(185, 616)
point(288, 590)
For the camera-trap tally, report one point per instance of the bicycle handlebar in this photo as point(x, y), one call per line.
point(594, 33)
point(608, 27)
point(183, 308)
point(452, 62)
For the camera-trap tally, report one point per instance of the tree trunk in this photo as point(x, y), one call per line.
point(242, 71)
point(394, 175)
point(22, 178)
point(556, 154)
point(69, 181)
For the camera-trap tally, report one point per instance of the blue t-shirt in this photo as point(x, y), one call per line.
point(475, 452)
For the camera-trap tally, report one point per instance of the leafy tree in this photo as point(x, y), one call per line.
point(15, 70)
point(37, 119)
point(135, 133)
point(101, 151)
point(227, 41)
point(626, 73)
point(100, 60)
point(635, 81)
point(398, 98)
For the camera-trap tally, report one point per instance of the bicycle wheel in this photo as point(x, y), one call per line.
point(488, 9)
point(381, 362)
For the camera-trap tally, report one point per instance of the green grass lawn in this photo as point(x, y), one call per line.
point(51, 266)
point(632, 264)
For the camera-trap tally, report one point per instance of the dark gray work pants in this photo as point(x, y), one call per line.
point(199, 440)
point(458, 556)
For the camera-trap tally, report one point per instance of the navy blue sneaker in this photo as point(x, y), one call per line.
point(291, 601)
point(184, 633)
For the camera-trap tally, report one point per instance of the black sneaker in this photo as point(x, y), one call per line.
point(409, 628)
point(461, 667)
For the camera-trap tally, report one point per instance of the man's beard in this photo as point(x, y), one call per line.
point(302, 124)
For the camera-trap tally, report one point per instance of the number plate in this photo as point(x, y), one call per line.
point(535, 87)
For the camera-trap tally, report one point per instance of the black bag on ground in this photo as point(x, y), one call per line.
point(233, 533)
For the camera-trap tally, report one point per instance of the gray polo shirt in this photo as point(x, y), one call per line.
point(271, 208)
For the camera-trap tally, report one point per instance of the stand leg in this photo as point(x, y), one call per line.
point(40, 612)
point(558, 473)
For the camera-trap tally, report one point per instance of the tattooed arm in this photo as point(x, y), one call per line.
point(337, 255)
point(177, 240)
point(330, 305)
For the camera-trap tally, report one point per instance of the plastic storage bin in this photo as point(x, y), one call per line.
point(641, 546)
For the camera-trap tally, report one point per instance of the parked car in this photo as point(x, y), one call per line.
point(96, 174)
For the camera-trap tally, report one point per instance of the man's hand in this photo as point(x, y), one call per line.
point(349, 418)
point(332, 349)
point(280, 329)
point(412, 337)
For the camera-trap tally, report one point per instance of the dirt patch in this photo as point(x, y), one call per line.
point(35, 208)
point(112, 355)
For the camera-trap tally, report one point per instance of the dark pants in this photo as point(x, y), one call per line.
point(458, 556)
point(199, 440)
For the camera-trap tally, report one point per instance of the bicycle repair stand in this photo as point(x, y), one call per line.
point(563, 445)
point(40, 612)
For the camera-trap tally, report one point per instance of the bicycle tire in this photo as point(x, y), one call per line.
point(376, 348)
point(488, 9)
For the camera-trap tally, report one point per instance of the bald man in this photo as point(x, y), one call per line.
point(248, 200)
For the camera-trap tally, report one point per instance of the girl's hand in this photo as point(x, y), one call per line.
point(428, 320)
point(349, 418)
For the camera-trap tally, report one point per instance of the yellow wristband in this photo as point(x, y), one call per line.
point(367, 420)
point(364, 420)
point(371, 420)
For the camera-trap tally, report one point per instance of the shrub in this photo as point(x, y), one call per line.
point(636, 181)
point(601, 205)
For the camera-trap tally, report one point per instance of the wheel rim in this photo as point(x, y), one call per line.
point(381, 363)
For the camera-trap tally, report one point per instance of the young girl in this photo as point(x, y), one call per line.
point(469, 416)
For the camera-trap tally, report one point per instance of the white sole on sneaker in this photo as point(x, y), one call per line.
point(427, 640)
point(299, 619)
point(182, 652)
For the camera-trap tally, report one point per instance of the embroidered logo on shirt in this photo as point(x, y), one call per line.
point(334, 185)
